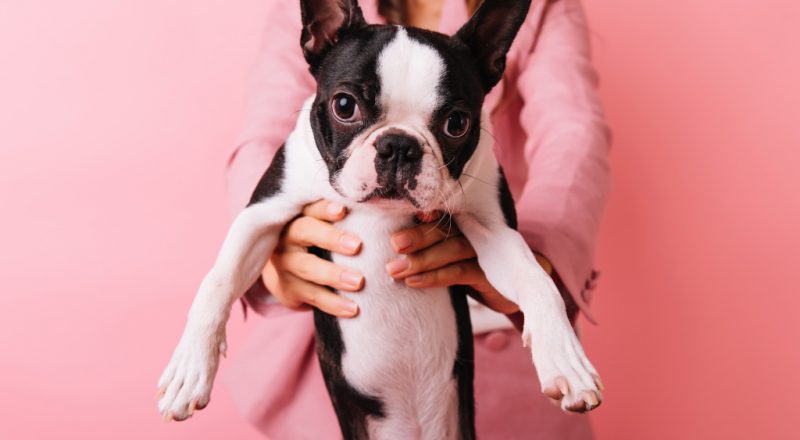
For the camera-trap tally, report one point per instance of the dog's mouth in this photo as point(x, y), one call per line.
point(391, 193)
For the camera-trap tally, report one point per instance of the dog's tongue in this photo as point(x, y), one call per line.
point(427, 217)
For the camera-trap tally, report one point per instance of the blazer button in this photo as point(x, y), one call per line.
point(496, 340)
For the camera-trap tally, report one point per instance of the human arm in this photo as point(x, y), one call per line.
point(561, 204)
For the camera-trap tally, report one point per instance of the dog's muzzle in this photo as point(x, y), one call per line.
point(398, 162)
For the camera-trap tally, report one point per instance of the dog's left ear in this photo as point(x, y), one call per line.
point(324, 23)
point(489, 34)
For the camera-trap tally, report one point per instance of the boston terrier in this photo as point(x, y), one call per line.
point(394, 129)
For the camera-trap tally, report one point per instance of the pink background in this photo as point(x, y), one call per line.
point(116, 119)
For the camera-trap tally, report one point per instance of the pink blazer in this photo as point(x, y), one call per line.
point(552, 141)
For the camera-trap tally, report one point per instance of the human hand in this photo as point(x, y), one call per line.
point(434, 255)
point(298, 279)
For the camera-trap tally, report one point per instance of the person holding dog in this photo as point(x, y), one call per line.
point(552, 141)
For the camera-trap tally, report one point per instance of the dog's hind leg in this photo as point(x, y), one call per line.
point(439, 419)
point(395, 426)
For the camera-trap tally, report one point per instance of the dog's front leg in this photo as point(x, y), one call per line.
point(510, 266)
point(186, 382)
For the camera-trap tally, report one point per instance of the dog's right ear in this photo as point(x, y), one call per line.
point(324, 23)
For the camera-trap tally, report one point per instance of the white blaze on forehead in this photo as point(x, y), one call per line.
point(409, 73)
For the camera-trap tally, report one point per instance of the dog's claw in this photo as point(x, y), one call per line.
point(185, 385)
point(192, 407)
point(599, 384)
point(591, 400)
point(564, 371)
point(563, 386)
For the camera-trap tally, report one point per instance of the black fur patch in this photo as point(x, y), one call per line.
point(271, 181)
point(464, 366)
point(489, 33)
point(269, 185)
point(507, 202)
point(352, 406)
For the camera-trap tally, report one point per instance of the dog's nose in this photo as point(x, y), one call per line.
point(398, 147)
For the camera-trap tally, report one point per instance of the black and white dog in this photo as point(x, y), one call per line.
point(394, 127)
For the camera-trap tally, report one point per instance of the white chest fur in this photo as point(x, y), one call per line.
point(402, 345)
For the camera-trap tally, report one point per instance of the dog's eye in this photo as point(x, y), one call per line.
point(457, 124)
point(345, 108)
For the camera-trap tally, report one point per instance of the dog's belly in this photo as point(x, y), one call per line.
point(402, 345)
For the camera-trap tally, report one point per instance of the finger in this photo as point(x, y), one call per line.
point(491, 298)
point(325, 210)
point(325, 300)
point(439, 255)
point(544, 262)
point(282, 287)
point(298, 294)
point(309, 231)
point(421, 236)
point(465, 273)
point(318, 271)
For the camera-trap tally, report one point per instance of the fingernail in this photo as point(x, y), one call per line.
point(401, 241)
point(397, 266)
point(350, 242)
point(351, 278)
point(350, 307)
point(414, 279)
point(334, 209)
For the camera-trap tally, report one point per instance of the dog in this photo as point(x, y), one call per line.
point(395, 128)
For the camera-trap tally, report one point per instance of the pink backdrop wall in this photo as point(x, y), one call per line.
point(116, 119)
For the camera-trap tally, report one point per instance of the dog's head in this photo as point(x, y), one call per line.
point(397, 110)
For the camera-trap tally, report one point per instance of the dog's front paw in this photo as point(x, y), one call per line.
point(185, 385)
point(564, 371)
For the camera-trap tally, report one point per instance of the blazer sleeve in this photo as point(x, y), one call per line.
point(566, 148)
point(278, 86)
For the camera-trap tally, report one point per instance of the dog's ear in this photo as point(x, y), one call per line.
point(489, 34)
point(324, 22)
